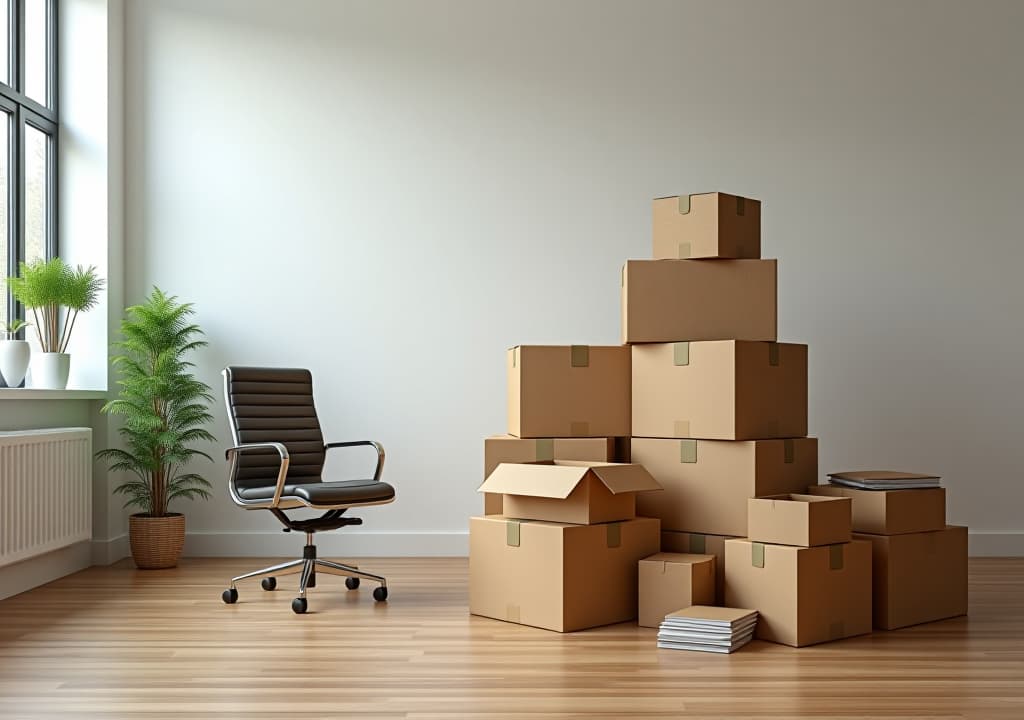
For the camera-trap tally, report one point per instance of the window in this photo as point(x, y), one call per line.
point(28, 147)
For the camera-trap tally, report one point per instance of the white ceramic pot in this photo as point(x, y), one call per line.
point(50, 370)
point(14, 357)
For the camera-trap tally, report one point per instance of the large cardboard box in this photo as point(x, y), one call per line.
point(795, 519)
point(918, 577)
point(673, 581)
point(720, 390)
point(700, 544)
point(557, 576)
point(670, 300)
point(706, 483)
point(568, 391)
point(805, 595)
point(569, 491)
point(706, 225)
point(510, 449)
point(892, 512)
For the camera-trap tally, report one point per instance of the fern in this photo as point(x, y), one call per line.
point(48, 287)
point(162, 406)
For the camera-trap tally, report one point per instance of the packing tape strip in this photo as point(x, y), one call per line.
point(512, 533)
point(741, 206)
point(579, 428)
point(680, 354)
point(544, 449)
point(681, 429)
point(613, 535)
point(512, 613)
point(515, 356)
point(579, 355)
point(684, 204)
point(835, 557)
point(685, 251)
point(757, 554)
point(687, 451)
point(698, 543)
point(773, 354)
point(787, 451)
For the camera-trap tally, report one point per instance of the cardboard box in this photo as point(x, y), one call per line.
point(722, 390)
point(673, 581)
point(510, 449)
point(557, 576)
point(918, 577)
point(891, 512)
point(805, 595)
point(706, 225)
point(794, 519)
point(671, 300)
point(569, 491)
point(568, 391)
point(700, 544)
point(707, 482)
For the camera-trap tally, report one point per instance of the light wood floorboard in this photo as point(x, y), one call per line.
point(120, 643)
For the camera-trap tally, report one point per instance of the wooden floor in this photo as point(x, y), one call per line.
point(120, 643)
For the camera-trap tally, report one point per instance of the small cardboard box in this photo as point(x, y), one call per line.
point(568, 391)
point(673, 581)
point(805, 595)
point(891, 512)
point(557, 576)
point(793, 519)
point(510, 449)
point(707, 482)
point(706, 225)
point(700, 544)
point(569, 491)
point(720, 390)
point(918, 577)
point(670, 300)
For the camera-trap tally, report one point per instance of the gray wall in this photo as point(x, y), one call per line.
point(394, 192)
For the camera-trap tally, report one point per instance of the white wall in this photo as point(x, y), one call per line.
point(394, 192)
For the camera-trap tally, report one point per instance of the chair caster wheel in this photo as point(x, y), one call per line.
point(380, 594)
point(230, 596)
point(352, 583)
point(269, 583)
point(299, 606)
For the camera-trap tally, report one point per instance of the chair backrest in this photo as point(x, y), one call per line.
point(274, 405)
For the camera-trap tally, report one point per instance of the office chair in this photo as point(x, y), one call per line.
point(276, 464)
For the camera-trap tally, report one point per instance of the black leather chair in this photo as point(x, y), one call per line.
point(277, 463)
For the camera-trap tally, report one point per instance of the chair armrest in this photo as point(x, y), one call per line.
point(232, 454)
point(358, 443)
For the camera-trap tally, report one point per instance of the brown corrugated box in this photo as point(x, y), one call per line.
point(804, 595)
point(568, 391)
point(707, 482)
point(706, 225)
point(673, 581)
point(700, 544)
point(557, 576)
point(510, 449)
point(918, 577)
point(569, 491)
point(891, 512)
point(719, 390)
point(794, 519)
point(670, 300)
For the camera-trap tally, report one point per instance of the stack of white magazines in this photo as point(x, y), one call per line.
point(883, 480)
point(708, 629)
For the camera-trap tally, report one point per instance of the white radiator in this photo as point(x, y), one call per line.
point(45, 491)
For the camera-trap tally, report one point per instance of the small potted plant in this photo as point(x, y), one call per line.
point(164, 409)
point(54, 293)
point(14, 353)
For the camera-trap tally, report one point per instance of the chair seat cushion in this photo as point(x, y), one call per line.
point(339, 492)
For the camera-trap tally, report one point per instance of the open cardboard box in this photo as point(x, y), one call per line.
point(891, 512)
point(793, 519)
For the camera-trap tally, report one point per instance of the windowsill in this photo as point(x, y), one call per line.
point(41, 394)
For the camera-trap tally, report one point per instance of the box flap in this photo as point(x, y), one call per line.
point(623, 478)
point(534, 479)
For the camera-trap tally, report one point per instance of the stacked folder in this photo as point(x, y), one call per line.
point(707, 629)
point(883, 480)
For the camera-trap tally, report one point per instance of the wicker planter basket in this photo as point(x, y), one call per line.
point(156, 541)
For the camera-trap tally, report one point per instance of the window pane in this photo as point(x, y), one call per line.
point(5, 247)
point(37, 145)
point(35, 50)
point(5, 25)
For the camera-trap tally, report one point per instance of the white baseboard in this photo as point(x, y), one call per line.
point(987, 544)
point(39, 570)
point(342, 544)
point(108, 552)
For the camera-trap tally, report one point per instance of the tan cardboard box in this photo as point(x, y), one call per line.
point(805, 595)
point(891, 512)
point(673, 581)
point(700, 544)
point(557, 576)
point(918, 577)
point(706, 225)
point(568, 391)
point(707, 482)
point(670, 300)
point(720, 390)
point(569, 491)
point(794, 519)
point(510, 449)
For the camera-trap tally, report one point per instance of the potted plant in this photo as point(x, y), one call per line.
point(164, 409)
point(14, 353)
point(54, 292)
